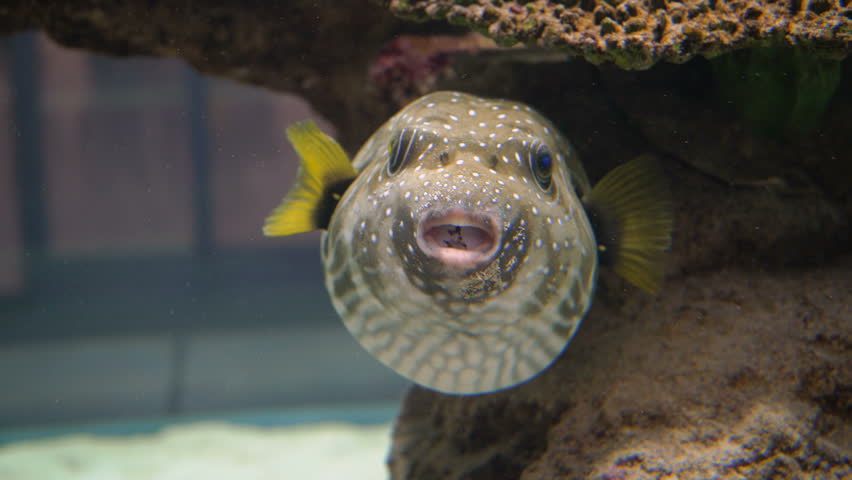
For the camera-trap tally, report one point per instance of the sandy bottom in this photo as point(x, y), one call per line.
point(206, 451)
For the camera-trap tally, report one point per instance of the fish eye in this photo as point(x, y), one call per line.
point(541, 164)
point(398, 149)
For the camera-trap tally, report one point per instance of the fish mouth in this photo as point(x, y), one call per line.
point(459, 238)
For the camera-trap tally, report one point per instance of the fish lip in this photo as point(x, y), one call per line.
point(486, 227)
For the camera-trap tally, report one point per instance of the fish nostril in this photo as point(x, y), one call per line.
point(491, 162)
point(444, 159)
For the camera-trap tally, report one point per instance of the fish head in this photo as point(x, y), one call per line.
point(461, 255)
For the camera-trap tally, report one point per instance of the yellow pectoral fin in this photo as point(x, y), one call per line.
point(324, 173)
point(631, 212)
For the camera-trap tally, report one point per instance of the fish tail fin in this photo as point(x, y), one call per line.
point(324, 174)
point(631, 213)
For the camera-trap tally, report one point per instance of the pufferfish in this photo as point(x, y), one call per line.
point(462, 243)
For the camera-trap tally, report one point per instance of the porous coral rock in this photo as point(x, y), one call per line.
point(635, 34)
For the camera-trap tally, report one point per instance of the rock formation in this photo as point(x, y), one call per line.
point(300, 47)
point(638, 33)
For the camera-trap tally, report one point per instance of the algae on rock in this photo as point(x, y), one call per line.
point(779, 90)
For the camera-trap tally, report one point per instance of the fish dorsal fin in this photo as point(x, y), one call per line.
point(324, 174)
point(631, 213)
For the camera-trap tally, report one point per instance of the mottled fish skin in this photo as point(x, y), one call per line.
point(482, 329)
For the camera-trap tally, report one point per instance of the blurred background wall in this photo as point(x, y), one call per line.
point(134, 279)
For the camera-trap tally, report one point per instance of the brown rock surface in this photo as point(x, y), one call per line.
point(636, 34)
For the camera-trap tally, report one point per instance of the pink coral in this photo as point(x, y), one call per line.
point(409, 66)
